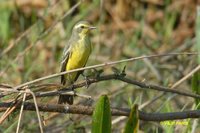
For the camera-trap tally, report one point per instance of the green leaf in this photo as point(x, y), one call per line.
point(196, 87)
point(101, 119)
point(4, 24)
point(197, 46)
point(132, 124)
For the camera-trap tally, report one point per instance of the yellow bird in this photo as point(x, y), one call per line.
point(75, 55)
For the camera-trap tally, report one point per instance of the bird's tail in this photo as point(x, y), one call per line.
point(66, 99)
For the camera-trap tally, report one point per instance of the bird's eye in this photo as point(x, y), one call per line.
point(82, 27)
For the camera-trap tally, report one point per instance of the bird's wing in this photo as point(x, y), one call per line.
point(65, 57)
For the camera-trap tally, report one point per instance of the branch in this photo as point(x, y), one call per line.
point(99, 65)
point(87, 110)
point(58, 89)
point(120, 78)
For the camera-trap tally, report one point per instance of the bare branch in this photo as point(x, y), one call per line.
point(87, 110)
point(97, 66)
point(120, 78)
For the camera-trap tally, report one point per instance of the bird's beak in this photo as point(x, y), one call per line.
point(92, 28)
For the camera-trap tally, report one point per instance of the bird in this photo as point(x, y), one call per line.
point(75, 55)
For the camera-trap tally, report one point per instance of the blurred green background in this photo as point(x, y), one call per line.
point(34, 32)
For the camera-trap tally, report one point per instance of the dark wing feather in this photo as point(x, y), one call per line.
point(65, 98)
point(65, 58)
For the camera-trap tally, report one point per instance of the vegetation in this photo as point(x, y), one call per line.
point(32, 38)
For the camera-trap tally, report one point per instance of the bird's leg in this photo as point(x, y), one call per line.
point(86, 80)
point(72, 87)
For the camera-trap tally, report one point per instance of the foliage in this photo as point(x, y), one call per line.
point(101, 119)
point(132, 124)
point(196, 87)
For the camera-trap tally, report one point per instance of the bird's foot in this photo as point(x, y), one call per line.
point(87, 84)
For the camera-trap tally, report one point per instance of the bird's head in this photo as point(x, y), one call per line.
point(83, 28)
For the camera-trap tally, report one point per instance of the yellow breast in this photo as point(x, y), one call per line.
point(78, 58)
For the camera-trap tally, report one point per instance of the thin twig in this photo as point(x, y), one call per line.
point(152, 68)
point(186, 77)
point(37, 110)
point(118, 119)
point(151, 101)
point(7, 113)
point(21, 111)
point(9, 110)
point(83, 96)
